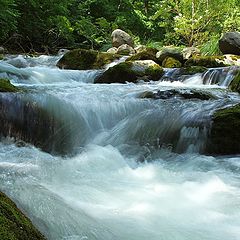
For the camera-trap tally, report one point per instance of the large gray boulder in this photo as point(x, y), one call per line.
point(230, 43)
point(169, 52)
point(119, 37)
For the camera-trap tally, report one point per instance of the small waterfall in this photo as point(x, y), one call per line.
point(213, 76)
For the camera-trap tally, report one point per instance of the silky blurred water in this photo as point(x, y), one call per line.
point(137, 172)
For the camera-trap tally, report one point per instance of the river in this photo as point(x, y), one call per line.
point(136, 169)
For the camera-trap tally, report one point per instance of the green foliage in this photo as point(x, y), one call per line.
point(211, 46)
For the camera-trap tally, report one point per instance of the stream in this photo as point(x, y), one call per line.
point(135, 168)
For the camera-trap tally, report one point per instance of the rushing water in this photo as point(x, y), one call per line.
point(137, 171)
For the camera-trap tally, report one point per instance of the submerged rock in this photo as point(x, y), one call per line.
point(206, 61)
point(131, 71)
point(24, 119)
point(230, 43)
point(81, 59)
point(6, 86)
point(14, 225)
point(224, 137)
point(185, 94)
point(119, 37)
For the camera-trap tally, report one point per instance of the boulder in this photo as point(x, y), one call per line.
point(6, 86)
point(224, 136)
point(147, 54)
point(233, 60)
point(62, 51)
point(230, 43)
point(81, 59)
point(131, 72)
point(112, 50)
point(189, 52)
point(119, 37)
point(140, 48)
point(180, 93)
point(192, 70)
point(235, 84)
point(169, 52)
point(170, 62)
point(125, 50)
point(206, 61)
point(14, 225)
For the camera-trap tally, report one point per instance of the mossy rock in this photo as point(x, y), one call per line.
point(167, 52)
point(14, 225)
point(225, 131)
point(170, 62)
point(235, 84)
point(193, 70)
point(147, 54)
point(6, 86)
point(131, 71)
point(118, 74)
point(81, 59)
point(206, 61)
point(1, 56)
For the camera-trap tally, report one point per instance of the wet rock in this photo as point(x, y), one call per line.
point(233, 60)
point(131, 71)
point(62, 51)
point(169, 52)
point(184, 94)
point(24, 119)
point(189, 52)
point(192, 70)
point(14, 224)
point(119, 37)
point(224, 136)
point(170, 62)
point(230, 43)
point(81, 59)
point(6, 86)
point(206, 61)
point(235, 84)
point(125, 50)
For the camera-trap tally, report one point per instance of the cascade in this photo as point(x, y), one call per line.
point(97, 161)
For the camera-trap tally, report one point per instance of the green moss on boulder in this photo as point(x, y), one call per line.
point(146, 54)
point(6, 86)
point(81, 59)
point(170, 62)
point(118, 74)
point(206, 61)
point(131, 71)
point(172, 52)
point(235, 84)
point(14, 225)
point(225, 132)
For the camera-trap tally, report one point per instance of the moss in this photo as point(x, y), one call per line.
point(205, 61)
point(225, 131)
point(1, 56)
point(169, 52)
point(120, 73)
point(235, 84)
point(14, 225)
point(170, 62)
point(154, 72)
point(6, 86)
point(81, 59)
point(147, 54)
point(193, 70)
